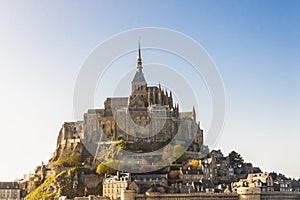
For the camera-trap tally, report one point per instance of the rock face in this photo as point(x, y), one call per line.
point(71, 183)
point(69, 172)
point(69, 138)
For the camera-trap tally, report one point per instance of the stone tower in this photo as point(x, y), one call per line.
point(139, 84)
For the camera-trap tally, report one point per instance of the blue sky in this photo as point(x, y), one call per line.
point(255, 45)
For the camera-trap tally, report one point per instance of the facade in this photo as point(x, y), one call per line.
point(112, 185)
point(267, 182)
point(152, 179)
point(10, 191)
point(189, 176)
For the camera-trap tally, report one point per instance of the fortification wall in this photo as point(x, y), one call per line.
point(131, 195)
point(279, 195)
point(243, 194)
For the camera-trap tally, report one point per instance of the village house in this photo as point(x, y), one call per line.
point(154, 179)
point(188, 176)
point(10, 191)
point(112, 185)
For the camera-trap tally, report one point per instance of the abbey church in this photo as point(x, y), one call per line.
point(148, 115)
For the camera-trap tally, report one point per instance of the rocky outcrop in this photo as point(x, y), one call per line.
point(70, 139)
point(71, 183)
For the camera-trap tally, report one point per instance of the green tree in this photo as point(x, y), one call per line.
point(179, 153)
point(235, 159)
point(109, 167)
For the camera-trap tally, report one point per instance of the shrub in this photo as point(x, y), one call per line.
point(108, 167)
point(69, 158)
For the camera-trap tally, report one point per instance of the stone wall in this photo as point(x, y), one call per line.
point(91, 197)
point(131, 195)
point(243, 194)
point(256, 194)
point(279, 195)
point(246, 193)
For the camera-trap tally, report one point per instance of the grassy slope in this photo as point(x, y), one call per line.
point(42, 192)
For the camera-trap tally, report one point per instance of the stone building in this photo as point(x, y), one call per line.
point(148, 115)
point(151, 179)
point(188, 176)
point(10, 191)
point(112, 185)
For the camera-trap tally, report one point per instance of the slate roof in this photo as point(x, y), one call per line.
point(143, 187)
point(150, 176)
point(248, 165)
point(192, 172)
point(118, 101)
point(256, 170)
point(153, 189)
point(9, 185)
point(273, 175)
point(139, 77)
point(220, 158)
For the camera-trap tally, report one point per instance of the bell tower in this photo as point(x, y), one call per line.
point(139, 84)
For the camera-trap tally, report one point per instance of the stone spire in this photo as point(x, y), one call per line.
point(139, 84)
point(139, 76)
point(139, 59)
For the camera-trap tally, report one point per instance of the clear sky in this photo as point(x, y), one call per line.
point(255, 45)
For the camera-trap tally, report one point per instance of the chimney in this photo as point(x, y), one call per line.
point(118, 175)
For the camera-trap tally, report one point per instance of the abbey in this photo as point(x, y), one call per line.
point(148, 115)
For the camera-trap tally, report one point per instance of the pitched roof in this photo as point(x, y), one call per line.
point(153, 189)
point(139, 77)
point(117, 102)
point(9, 185)
point(192, 172)
point(150, 176)
point(142, 187)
